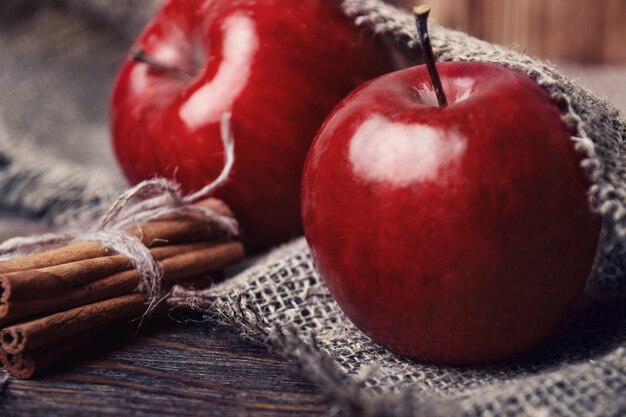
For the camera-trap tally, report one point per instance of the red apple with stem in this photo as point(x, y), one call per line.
point(447, 211)
point(278, 66)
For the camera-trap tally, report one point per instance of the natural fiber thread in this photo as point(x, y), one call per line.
point(162, 198)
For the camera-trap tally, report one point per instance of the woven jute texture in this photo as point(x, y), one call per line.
point(58, 59)
point(280, 300)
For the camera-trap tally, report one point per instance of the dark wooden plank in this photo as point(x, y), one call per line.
point(168, 369)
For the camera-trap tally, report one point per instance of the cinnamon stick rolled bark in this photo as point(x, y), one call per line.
point(39, 332)
point(46, 330)
point(25, 365)
point(176, 230)
point(42, 283)
point(48, 281)
point(155, 232)
point(206, 258)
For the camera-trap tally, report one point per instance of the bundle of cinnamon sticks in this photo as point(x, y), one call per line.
point(53, 302)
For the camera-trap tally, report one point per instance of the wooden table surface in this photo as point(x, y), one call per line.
point(169, 368)
point(166, 368)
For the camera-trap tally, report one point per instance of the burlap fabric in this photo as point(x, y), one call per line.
point(280, 300)
point(57, 63)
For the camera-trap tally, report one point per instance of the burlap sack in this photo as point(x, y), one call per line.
point(281, 300)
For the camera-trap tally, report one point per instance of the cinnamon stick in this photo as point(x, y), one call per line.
point(155, 232)
point(44, 282)
point(178, 262)
point(31, 335)
point(180, 229)
point(25, 365)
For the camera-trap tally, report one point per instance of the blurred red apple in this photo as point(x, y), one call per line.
point(278, 65)
point(456, 233)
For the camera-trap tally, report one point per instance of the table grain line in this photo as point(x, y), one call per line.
point(104, 364)
point(191, 395)
point(186, 347)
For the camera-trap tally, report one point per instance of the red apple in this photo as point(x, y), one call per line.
point(279, 66)
point(458, 234)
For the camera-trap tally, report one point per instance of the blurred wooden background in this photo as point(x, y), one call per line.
point(573, 30)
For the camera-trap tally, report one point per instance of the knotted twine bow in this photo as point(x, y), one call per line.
point(147, 201)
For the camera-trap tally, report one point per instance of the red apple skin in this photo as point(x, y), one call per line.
point(279, 66)
point(458, 235)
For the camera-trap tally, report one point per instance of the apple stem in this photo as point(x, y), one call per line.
point(421, 19)
point(139, 55)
